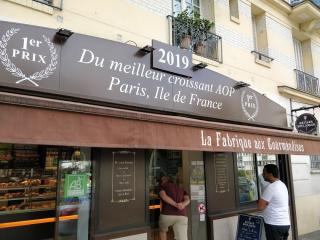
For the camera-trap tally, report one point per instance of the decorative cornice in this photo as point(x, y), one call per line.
point(298, 95)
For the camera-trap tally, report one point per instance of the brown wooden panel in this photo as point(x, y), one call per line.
point(119, 207)
point(220, 182)
point(30, 125)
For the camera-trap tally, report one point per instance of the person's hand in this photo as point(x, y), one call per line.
point(180, 206)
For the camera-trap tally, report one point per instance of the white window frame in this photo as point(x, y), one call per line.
point(298, 54)
point(184, 4)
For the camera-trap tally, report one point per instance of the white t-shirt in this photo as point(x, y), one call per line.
point(277, 211)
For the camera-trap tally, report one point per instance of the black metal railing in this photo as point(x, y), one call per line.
point(52, 3)
point(262, 56)
point(307, 83)
point(315, 162)
point(205, 44)
point(295, 2)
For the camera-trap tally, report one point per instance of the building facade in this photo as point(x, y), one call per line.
point(77, 115)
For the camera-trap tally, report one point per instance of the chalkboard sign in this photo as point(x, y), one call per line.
point(249, 227)
point(221, 173)
point(123, 176)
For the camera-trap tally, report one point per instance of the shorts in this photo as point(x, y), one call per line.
point(178, 223)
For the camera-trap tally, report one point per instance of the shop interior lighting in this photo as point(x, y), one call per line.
point(241, 84)
point(64, 33)
point(199, 66)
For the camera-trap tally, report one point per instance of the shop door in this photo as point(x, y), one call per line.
point(186, 169)
point(73, 202)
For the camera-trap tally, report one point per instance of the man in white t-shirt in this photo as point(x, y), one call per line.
point(275, 205)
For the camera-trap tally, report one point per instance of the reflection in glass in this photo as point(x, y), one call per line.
point(247, 179)
point(262, 160)
point(74, 203)
point(161, 162)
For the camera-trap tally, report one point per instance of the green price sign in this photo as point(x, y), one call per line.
point(75, 185)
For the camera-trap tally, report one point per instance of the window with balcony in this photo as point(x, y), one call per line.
point(315, 164)
point(46, 6)
point(260, 37)
point(306, 81)
point(193, 28)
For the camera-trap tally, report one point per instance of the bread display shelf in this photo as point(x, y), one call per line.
point(14, 188)
point(27, 187)
point(28, 195)
point(25, 210)
point(13, 199)
point(44, 197)
point(44, 186)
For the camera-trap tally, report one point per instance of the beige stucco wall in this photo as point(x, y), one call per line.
point(308, 213)
point(115, 20)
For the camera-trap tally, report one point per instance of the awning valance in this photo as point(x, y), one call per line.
point(34, 120)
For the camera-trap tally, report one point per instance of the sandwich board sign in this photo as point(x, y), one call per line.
point(249, 227)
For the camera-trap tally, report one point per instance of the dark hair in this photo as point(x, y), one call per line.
point(273, 169)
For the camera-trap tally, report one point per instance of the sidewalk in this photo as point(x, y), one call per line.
point(311, 236)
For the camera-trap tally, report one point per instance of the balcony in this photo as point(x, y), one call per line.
point(295, 2)
point(307, 90)
point(306, 13)
point(307, 83)
point(46, 6)
point(208, 45)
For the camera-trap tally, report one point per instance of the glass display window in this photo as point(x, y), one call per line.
point(262, 160)
point(25, 182)
point(247, 177)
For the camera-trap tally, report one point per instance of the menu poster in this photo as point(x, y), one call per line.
point(249, 227)
point(221, 173)
point(123, 176)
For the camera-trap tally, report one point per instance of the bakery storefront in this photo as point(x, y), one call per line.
point(88, 126)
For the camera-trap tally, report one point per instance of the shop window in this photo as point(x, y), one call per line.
point(247, 178)
point(262, 160)
point(30, 178)
point(234, 10)
point(250, 181)
point(162, 163)
point(75, 192)
point(186, 169)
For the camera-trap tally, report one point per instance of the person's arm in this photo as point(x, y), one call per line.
point(185, 203)
point(167, 199)
point(262, 204)
point(265, 198)
point(186, 200)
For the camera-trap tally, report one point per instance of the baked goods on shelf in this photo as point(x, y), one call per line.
point(27, 194)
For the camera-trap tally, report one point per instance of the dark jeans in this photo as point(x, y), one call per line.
point(274, 232)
